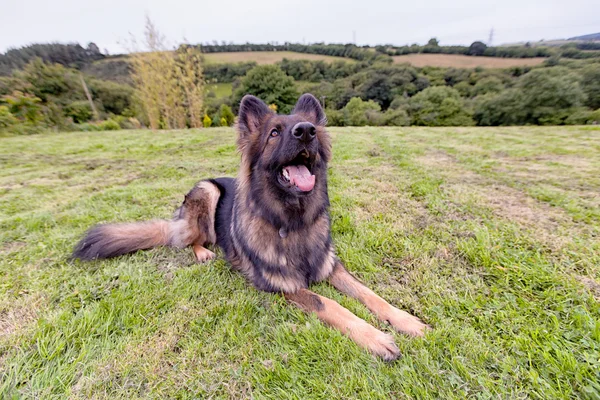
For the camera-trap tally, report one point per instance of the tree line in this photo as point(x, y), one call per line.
point(166, 89)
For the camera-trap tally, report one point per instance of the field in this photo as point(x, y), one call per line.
point(488, 234)
point(462, 61)
point(267, 57)
point(223, 89)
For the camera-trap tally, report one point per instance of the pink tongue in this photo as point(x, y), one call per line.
point(301, 177)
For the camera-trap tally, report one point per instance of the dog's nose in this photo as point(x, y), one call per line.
point(304, 131)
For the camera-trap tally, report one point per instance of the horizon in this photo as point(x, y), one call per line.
point(381, 22)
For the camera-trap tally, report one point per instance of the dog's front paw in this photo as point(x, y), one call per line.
point(405, 323)
point(376, 342)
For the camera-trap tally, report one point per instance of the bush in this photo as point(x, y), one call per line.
point(226, 113)
point(439, 106)
point(206, 121)
point(270, 84)
point(80, 111)
point(501, 109)
point(578, 117)
point(109, 125)
point(355, 112)
point(397, 117)
point(594, 117)
point(334, 117)
point(7, 120)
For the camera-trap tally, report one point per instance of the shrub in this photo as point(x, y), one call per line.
point(206, 121)
point(355, 112)
point(594, 117)
point(334, 117)
point(501, 109)
point(270, 84)
point(226, 113)
point(439, 106)
point(224, 122)
point(80, 111)
point(6, 118)
point(397, 117)
point(109, 125)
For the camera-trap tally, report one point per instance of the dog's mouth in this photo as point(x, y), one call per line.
point(297, 174)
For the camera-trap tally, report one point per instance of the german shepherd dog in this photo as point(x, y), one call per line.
point(272, 223)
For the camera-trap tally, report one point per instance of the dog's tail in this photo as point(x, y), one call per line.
point(193, 224)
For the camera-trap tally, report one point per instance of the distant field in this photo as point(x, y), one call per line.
point(461, 61)
point(220, 89)
point(266, 57)
point(488, 234)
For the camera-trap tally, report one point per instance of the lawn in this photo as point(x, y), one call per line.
point(488, 234)
point(462, 61)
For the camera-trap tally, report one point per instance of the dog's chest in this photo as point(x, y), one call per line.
point(282, 260)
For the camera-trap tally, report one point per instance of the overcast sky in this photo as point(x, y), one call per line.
point(109, 22)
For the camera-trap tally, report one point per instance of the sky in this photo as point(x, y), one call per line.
point(109, 23)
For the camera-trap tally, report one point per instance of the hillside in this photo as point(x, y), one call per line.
point(590, 37)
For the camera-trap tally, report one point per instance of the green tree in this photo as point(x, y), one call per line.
point(270, 84)
point(590, 82)
point(548, 94)
point(356, 111)
point(439, 106)
point(477, 48)
point(505, 108)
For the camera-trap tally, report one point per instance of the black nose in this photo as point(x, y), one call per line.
point(304, 131)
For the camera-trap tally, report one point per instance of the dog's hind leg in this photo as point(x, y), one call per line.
point(198, 210)
point(330, 312)
point(402, 321)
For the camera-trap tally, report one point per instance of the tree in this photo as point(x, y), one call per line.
point(590, 82)
point(270, 84)
point(439, 106)
point(356, 111)
point(505, 108)
point(477, 48)
point(433, 42)
point(548, 94)
point(168, 86)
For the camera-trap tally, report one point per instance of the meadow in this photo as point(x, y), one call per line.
point(488, 234)
point(267, 57)
point(462, 61)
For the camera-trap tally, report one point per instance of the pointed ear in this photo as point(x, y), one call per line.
point(310, 107)
point(253, 112)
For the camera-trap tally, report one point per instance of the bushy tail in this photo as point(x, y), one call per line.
point(193, 223)
point(111, 240)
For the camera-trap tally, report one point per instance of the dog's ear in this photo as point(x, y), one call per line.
point(253, 113)
point(310, 107)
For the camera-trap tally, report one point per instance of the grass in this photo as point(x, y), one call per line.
point(462, 61)
point(267, 57)
point(223, 89)
point(488, 234)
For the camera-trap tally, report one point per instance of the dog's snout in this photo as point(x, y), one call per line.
point(304, 131)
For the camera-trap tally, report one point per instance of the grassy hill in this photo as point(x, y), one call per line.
point(488, 234)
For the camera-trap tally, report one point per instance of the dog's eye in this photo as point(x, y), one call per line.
point(274, 133)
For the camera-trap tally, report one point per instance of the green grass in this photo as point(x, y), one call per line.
point(220, 89)
point(488, 234)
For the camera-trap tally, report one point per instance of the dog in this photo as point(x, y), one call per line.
point(271, 222)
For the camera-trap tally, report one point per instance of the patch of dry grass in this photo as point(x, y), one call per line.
point(462, 61)
point(267, 57)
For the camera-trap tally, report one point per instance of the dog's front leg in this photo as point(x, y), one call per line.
point(402, 321)
point(330, 312)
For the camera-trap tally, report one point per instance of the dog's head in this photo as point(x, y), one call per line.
point(288, 153)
